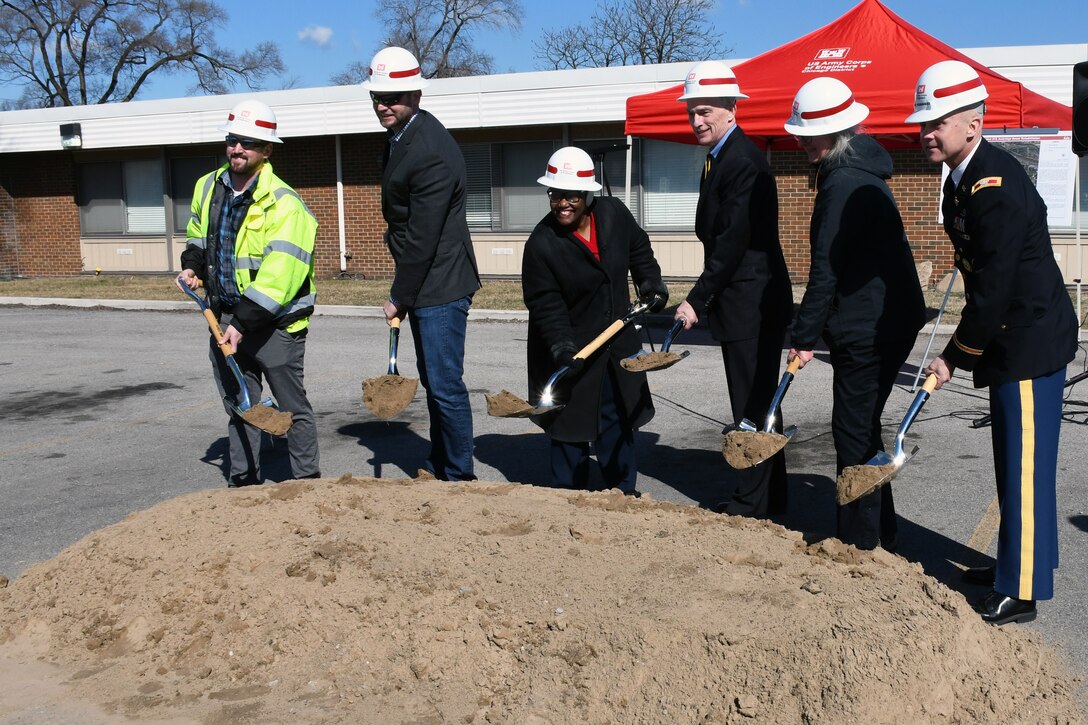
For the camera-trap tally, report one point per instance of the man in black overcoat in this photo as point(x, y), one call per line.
point(744, 290)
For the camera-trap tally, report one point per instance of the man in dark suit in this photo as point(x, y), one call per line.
point(423, 202)
point(744, 289)
point(1016, 334)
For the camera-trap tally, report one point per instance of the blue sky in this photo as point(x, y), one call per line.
point(319, 39)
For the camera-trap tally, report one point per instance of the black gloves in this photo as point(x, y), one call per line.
point(566, 359)
point(655, 297)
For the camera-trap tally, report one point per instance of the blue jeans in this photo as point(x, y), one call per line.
point(439, 336)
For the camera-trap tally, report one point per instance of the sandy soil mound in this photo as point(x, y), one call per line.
point(380, 601)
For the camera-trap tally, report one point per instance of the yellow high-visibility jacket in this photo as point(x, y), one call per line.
point(273, 253)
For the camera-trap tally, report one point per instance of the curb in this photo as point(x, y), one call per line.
point(321, 310)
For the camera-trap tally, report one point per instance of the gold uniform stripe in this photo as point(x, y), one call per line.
point(1027, 489)
point(965, 348)
point(983, 183)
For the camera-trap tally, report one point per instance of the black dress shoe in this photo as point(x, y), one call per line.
point(997, 608)
point(982, 575)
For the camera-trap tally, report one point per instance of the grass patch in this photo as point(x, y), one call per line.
point(495, 294)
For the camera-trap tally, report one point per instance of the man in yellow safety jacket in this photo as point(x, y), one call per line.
point(251, 243)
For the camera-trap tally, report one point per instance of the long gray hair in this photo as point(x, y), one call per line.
point(840, 147)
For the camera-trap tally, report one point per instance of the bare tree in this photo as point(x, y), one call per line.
point(628, 32)
point(78, 52)
point(440, 33)
point(356, 72)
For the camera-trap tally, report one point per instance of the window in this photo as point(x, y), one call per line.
point(478, 193)
point(183, 175)
point(503, 193)
point(670, 184)
point(121, 197)
point(524, 202)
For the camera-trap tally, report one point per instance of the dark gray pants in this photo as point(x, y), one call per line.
point(277, 357)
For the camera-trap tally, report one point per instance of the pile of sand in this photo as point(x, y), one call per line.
point(379, 601)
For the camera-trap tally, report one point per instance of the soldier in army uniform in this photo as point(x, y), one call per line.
point(1016, 335)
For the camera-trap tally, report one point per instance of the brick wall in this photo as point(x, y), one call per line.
point(44, 238)
point(45, 235)
point(916, 186)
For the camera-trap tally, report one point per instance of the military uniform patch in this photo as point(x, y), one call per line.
point(986, 181)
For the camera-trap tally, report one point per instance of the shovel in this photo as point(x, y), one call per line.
point(507, 405)
point(746, 446)
point(263, 415)
point(857, 481)
point(643, 361)
point(389, 394)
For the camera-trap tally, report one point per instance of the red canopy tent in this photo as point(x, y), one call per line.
point(877, 54)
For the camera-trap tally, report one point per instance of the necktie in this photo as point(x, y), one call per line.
point(706, 167)
point(948, 200)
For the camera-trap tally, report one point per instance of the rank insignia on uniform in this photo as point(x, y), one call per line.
point(986, 181)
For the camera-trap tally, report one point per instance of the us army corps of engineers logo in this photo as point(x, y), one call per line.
point(834, 60)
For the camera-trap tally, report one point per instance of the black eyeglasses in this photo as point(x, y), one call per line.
point(386, 99)
point(246, 143)
point(572, 197)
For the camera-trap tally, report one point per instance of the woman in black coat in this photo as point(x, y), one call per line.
point(863, 297)
point(574, 278)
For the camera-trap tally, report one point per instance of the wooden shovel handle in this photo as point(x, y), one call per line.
point(930, 384)
point(794, 366)
point(395, 323)
point(601, 339)
point(213, 324)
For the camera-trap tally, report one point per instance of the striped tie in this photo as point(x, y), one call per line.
point(706, 167)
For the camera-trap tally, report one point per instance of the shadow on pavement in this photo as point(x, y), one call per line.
point(392, 442)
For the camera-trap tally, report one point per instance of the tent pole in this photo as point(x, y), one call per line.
point(627, 180)
point(1080, 258)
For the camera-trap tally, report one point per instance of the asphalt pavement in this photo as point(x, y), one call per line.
point(109, 411)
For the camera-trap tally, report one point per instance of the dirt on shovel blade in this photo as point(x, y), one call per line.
point(505, 404)
point(745, 448)
point(857, 481)
point(649, 361)
point(276, 422)
point(388, 395)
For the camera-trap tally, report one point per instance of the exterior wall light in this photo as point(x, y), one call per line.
point(71, 136)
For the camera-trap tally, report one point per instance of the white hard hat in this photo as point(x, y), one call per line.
point(822, 106)
point(253, 119)
point(711, 79)
point(945, 87)
point(571, 169)
point(394, 69)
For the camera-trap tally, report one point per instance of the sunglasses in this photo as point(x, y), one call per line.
point(386, 99)
point(572, 197)
point(246, 143)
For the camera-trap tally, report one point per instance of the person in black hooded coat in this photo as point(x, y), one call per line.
point(863, 296)
point(574, 280)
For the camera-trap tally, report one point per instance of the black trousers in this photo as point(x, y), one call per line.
point(752, 375)
point(863, 379)
point(614, 446)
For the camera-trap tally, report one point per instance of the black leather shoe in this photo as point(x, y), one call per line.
point(996, 608)
point(241, 480)
point(982, 575)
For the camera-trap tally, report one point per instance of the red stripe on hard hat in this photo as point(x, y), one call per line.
point(552, 169)
point(584, 174)
point(825, 112)
point(262, 124)
point(404, 73)
point(958, 88)
point(717, 81)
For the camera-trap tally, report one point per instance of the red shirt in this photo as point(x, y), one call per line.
point(590, 243)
